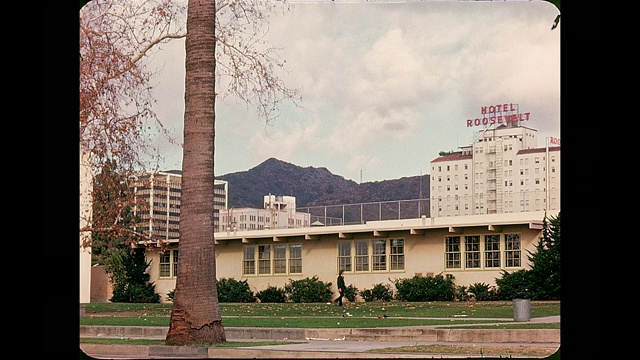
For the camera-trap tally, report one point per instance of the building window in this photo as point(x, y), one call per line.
point(380, 255)
point(492, 251)
point(344, 255)
point(280, 259)
point(272, 260)
point(295, 258)
point(512, 252)
point(169, 264)
point(264, 259)
point(249, 262)
point(397, 254)
point(371, 255)
point(362, 255)
point(472, 251)
point(452, 252)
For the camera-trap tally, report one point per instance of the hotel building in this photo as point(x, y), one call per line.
point(502, 171)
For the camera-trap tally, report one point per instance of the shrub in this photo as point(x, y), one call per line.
point(380, 292)
point(272, 294)
point(483, 292)
point(425, 288)
point(308, 290)
point(135, 293)
point(351, 293)
point(234, 291)
point(513, 285)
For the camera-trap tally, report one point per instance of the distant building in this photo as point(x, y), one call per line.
point(279, 212)
point(162, 193)
point(503, 171)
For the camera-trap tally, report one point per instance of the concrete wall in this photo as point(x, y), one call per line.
point(101, 289)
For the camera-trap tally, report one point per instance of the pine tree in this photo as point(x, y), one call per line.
point(544, 274)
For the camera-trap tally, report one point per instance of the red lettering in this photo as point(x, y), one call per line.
point(508, 115)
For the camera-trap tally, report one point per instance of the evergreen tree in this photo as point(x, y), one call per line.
point(545, 269)
point(114, 238)
point(127, 269)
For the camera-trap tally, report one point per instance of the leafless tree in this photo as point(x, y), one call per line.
point(116, 106)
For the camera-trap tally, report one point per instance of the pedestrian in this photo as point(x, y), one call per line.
point(342, 288)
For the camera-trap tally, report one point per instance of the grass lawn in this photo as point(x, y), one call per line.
point(326, 315)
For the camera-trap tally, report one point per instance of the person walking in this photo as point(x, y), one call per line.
point(342, 288)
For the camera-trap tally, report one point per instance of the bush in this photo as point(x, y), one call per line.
point(351, 293)
point(425, 288)
point(234, 291)
point(308, 290)
point(272, 294)
point(513, 285)
point(135, 293)
point(380, 292)
point(483, 292)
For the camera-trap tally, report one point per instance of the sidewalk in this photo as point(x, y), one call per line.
point(327, 343)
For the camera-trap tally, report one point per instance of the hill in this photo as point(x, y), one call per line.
point(315, 186)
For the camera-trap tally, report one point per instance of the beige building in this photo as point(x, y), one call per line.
point(473, 248)
point(503, 171)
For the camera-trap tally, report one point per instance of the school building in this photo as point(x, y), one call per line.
point(474, 249)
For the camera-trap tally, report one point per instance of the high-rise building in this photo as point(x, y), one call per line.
point(502, 171)
point(161, 192)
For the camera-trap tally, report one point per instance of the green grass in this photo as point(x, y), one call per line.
point(127, 341)
point(321, 315)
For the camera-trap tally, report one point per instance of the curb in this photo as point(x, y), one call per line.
point(356, 334)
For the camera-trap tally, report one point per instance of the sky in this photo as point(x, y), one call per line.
point(384, 86)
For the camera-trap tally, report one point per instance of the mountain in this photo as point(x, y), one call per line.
point(315, 186)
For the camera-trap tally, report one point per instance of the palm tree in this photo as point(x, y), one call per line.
point(195, 317)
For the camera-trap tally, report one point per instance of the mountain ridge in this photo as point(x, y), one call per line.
point(313, 186)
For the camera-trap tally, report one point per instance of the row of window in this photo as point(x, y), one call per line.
point(479, 165)
point(373, 255)
point(477, 250)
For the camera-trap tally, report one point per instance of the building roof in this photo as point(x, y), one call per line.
point(452, 158)
point(453, 224)
point(538, 150)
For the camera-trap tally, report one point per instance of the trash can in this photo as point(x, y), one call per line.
point(521, 309)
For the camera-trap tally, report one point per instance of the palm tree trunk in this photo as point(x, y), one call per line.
point(195, 317)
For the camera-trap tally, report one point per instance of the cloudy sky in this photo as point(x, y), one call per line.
point(385, 86)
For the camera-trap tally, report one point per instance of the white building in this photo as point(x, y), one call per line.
point(279, 212)
point(503, 171)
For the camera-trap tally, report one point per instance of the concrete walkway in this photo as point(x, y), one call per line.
point(325, 343)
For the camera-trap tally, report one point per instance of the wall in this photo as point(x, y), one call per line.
point(101, 289)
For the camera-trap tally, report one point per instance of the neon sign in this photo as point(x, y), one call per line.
point(499, 114)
